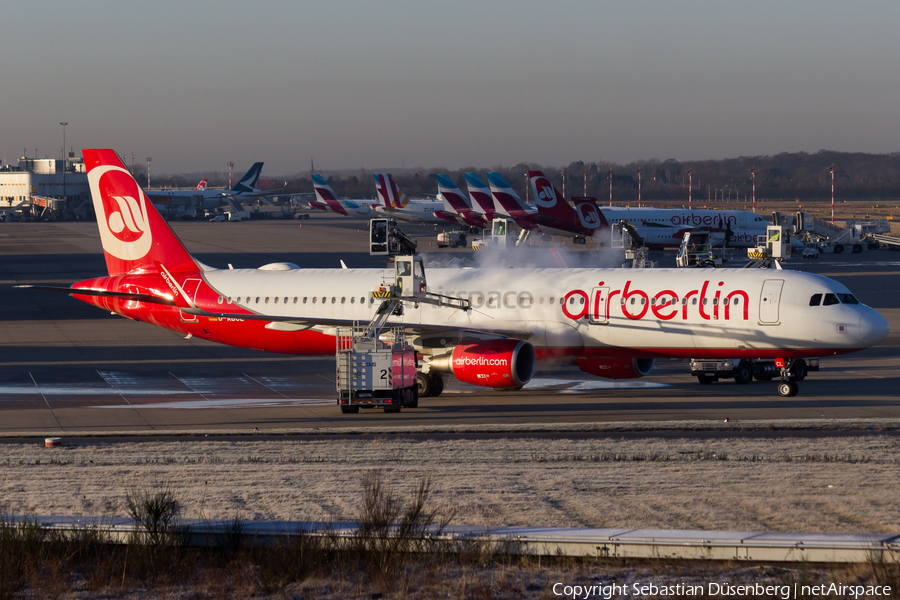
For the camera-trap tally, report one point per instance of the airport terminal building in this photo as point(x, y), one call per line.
point(30, 188)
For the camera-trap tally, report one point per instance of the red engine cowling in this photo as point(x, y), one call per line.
point(493, 363)
point(616, 368)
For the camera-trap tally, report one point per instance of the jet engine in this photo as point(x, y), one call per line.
point(616, 368)
point(498, 364)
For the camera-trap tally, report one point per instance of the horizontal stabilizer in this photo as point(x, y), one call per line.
point(103, 293)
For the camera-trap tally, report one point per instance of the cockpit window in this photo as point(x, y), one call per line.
point(847, 299)
point(815, 300)
point(830, 299)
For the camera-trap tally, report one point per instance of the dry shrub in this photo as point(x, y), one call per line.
point(20, 553)
point(296, 558)
point(390, 530)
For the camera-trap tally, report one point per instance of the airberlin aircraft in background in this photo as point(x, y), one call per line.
point(665, 227)
point(610, 322)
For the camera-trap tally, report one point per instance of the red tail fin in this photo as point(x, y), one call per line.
point(134, 235)
point(549, 201)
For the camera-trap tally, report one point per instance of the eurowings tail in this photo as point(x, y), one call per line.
point(326, 195)
point(453, 198)
point(135, 237)
point(508, 200)
point(480, 195)
point(391, 196)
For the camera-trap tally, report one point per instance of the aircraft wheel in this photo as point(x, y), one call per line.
point(798, 370)
point(437, 383)
point(349, 410)
point(788, 389)
point(705, 379)
point(744, 374)
point(423, 385)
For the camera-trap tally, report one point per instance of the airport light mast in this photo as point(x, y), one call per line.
point(230, 164)
point(64, 156)
point(149, 158)
point(639, 187)
point(690, 187)
point(610, 186)
point(832, 194)
point(753, 179)
point(564, 184)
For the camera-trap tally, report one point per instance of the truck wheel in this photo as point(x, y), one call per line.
point(799, 370)
point(838, 249)
point(349, 410)
point(743, 374)
point(437, 384)
point(705, 379)
point(423, 385)
point(413, 393)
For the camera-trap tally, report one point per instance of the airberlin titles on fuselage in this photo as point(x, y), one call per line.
point(665, 305)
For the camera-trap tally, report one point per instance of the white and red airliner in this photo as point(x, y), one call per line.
point(610, 322)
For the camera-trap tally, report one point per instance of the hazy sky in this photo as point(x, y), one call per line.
point(453, 84)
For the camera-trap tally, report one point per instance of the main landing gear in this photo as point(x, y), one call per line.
point(792, 370)
point(429, 384)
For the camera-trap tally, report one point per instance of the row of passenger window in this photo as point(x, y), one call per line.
point(572, 300)
point(831, 299)
point(287, 300)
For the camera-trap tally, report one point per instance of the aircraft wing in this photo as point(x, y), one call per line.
point(300, 324)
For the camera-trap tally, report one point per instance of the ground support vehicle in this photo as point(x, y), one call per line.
point(811, 251)
point(743, 371)
point(452, 239)
point(698, 249)
point(376, 365)
point(375, 372)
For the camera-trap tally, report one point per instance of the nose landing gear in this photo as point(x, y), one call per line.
point(792, 370)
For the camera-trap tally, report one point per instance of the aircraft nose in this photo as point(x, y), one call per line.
point(873, 327)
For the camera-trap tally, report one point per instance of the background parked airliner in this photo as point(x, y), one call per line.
point(243, 190)
point(326, 199)
point(395, 204)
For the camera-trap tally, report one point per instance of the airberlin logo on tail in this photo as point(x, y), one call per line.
point(121, 209)
point(543, 192)
point(587, 213)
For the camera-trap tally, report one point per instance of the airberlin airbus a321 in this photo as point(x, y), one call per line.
point(610, 322)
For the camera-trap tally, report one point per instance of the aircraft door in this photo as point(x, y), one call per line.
point(190, 287)
point(769, 300)
point(599, 298)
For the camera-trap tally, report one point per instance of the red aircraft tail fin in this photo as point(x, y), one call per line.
point(134, 235)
